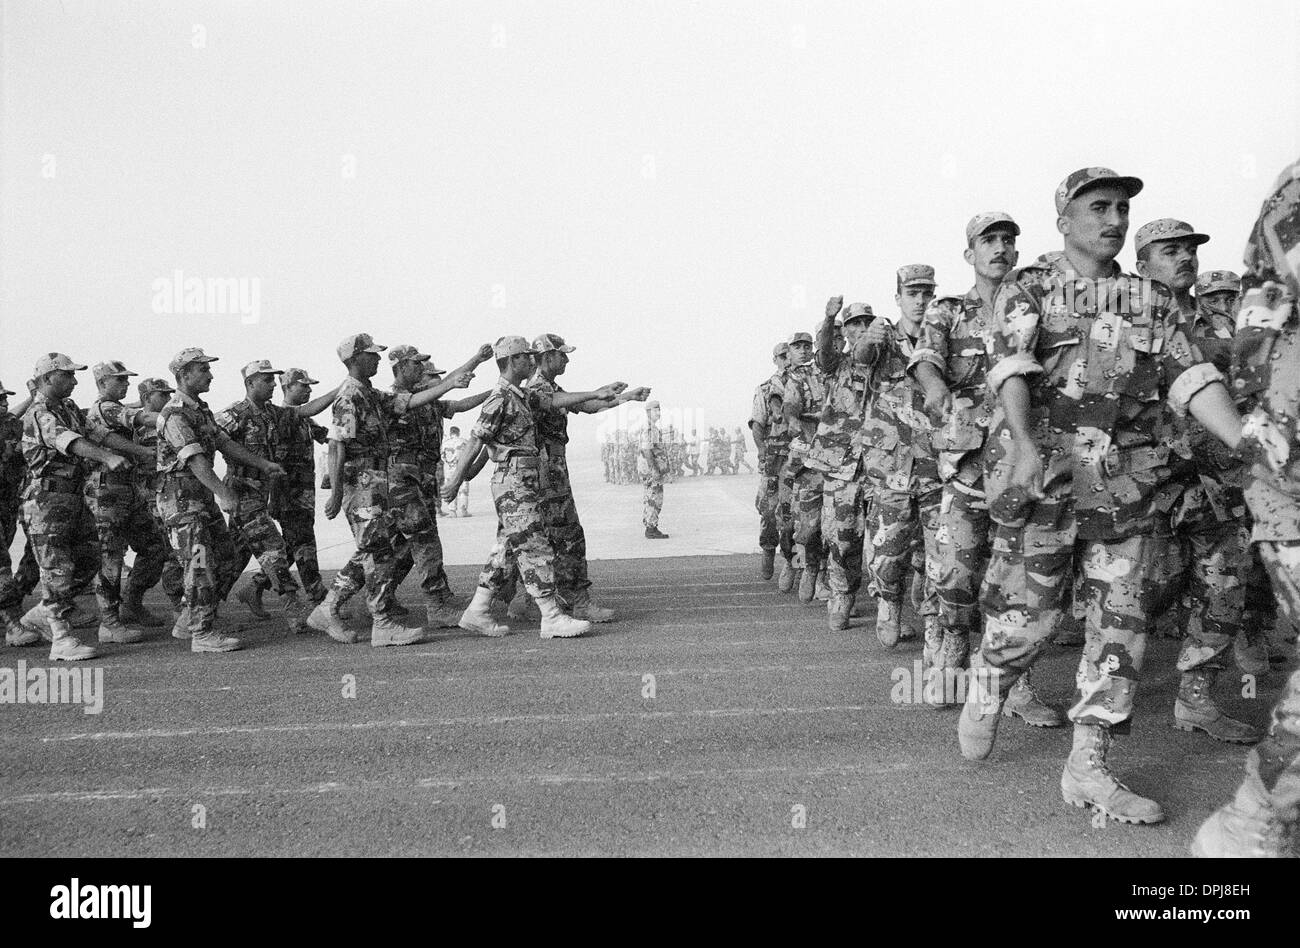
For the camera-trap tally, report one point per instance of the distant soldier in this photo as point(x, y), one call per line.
point(606, 452)
point(691, 455)
point(13, 476)
point(652, 463)
point(507, 428)
point(766, 426)
point(738, 452)
point(451, 450)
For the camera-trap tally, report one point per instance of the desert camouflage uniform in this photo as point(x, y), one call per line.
point(415, 451)
point(563, 528)
point(122, 516)
point(256, 535)
point(652, 474)
point(293, 498)
point(59, 524)
point(954, 340)
point(904, 476)
point(363, 420)
point(200, 540)
point(451, 449)
point(1099, 357)
point(13, 476)
point(805, 388)
point(776, 447)
point(145, 480)
point(507, 427)
point(738, 451)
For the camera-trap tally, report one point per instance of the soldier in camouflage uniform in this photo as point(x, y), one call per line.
point(691, 454)
point(801, 405)
point(415, 451)
point(58, 440)
point(121, 513)
point(652, 463)
point(1262, 818)
point(13, 475)
point(951, 363)
point(1207, 510)
point(451, 449)
point(767, 427)
point(154, 395)
point(738, 453)
point(1081, 358)
point(837, 452)
point(360, 445)
point(507, 427)
point(901, 463)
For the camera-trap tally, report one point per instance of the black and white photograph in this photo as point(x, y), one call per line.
point(551, 428)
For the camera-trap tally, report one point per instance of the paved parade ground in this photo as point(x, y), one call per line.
point(759, 733)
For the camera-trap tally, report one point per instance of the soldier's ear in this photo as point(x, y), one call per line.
point(969, 256)
point(1142, 268)
point(1062, 225)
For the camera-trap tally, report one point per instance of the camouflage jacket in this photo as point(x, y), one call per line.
point(255, 429)
point(49, 429)
point(1275, 240)
point(13, 470)
point(186, 427)
point(954, 339)
point(840, 441)
point(363, 422)
point(295, 442)
point(415, 440)
point(111, 415)
point(507, 423)
point(900, 455)
point(651, 442)
point(552, 423)
point(767, 411)
point(1266, 379)
point(805, 388)
point(1099, 357)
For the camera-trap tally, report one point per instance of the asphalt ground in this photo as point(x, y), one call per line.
point(760, 720)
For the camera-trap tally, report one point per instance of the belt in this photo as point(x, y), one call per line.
point(556, 450)
point(57, 485)
point(108, 478)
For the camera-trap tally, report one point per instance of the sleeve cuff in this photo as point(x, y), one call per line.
point(187, 452)
point(927, 355)
point(401, 402)
point(63, 443)
point(1012, 365)
point(335, 433)
point(1189, 383)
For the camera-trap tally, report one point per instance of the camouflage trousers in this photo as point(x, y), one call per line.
point(298, 527)
point(1277, 758)
point(768, 500)
point(257, 536)
point(846, 512)
point(417, 521)
point(962, 542)
point(202, 545)
point(62, 532)
point(1218, 553)
point(652, 500)
point(14, 586)
point(903, 535)
point(806, 507)
point(380, 544)
point(521, 542)
point(568, 539)
point(122, 519)
point(1026, 591)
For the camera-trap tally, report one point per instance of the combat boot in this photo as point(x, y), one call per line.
point(1087, 780)
point(251, 596)
point(181, 625)
point(789, 576)
point(477, 618)
point(1195, 710)
point(325, 618)
point(17, 635)
point(807, 583)
point(65, 647)
point(80, 618)
point(977, 728)
point(823, 588)
point(768, 565)
point(214, 641)
point(581, 607)
point(1023, 702)
point(38, 620)
point(398, 611)
point(295, 614)
point(134, 612)
point(654, 533)
point(1247, 828)
point(386, 631)
point(889, 622)
point(1251, 653)
point(556, 625)
point(111, 630)
point(523, 608)
point(837, 611)
point(444, 614)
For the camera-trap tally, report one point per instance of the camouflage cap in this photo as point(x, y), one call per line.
point(55, 362)
point(508, 346)
point(292, 376)
point(916, 274)
point(1085, 178)
point(799, 337)
point(858, 311)
point(780, 349)
point(5, 391)
point(651, 404)
point(1166, 228)
point(1217, 281)
point(407, 353)
point(986, 219)
point(185, 357)
point(550, 342)
point(111, 369)
point(360, 342)
point(431, 370)
point(259, 367)
point(149, 386)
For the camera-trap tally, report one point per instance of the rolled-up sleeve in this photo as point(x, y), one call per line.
point(182, 437)
point(1186, 371)
point(344, 427)
point(1013, 336)
point(932, 347)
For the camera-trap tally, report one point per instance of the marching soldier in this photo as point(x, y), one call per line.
point(13, 475)
point(652, 465)
point(767, 427)
point(801, 401)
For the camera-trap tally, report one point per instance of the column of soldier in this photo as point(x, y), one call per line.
point(1059, 443)
point(89, 484)
point(687, 455)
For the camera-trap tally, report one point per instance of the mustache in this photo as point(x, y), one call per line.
point(1117, 234)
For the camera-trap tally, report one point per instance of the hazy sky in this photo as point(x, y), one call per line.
point(672, 186)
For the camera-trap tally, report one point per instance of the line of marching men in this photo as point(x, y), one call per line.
point(86, 485)
point(1061, 444)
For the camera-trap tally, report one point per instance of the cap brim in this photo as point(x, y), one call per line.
point(374, 348)
point(5, 391)
point(76, 368)
point(1132, 186)
point(919, 281)
point(997, 222)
